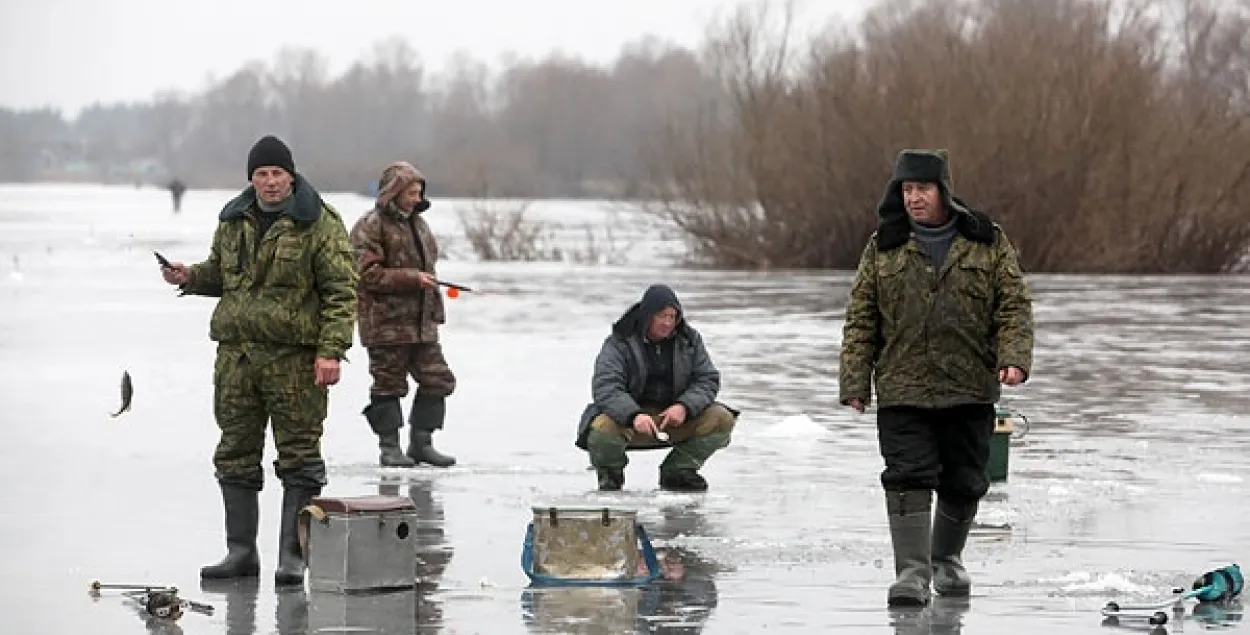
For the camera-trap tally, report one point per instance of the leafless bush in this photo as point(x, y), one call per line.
point(593, 250)
point(503, 232)
point(1103, 136)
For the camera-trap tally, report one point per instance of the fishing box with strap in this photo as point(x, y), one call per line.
point(593, 546)
point(361, 543)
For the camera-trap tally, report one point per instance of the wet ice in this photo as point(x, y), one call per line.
point(1130, 480)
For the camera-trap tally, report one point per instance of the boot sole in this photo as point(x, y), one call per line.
point(286, 579)
point(906, 602)
point(213, 575)
point(419, 462)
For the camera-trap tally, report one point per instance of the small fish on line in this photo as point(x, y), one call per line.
point(128, 391)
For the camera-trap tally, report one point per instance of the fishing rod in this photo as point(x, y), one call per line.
point(453, 289)
point(1215, 586)
point(156, 600)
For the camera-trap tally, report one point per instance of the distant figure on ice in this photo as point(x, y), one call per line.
point(176, 189)
point(400, 310)
point(939, 315)
point(283, 268)
point(654, 386)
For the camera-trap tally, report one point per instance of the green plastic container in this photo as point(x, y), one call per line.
point(1000, 445)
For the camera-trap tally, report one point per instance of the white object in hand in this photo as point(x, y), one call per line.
point(661, 435)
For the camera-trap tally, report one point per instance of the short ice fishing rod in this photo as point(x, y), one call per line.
point(453, 289)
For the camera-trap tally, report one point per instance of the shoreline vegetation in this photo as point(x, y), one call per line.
point(1104, 136)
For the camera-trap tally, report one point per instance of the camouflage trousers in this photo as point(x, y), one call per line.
point(693, 442)
point(258, 384)
point(390, 367)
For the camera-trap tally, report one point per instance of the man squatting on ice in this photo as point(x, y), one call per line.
point(400, 310)
point(282, 267)
point(653, 374)
point(939, 315)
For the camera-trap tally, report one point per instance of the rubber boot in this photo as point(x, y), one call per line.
point(242, 518)
point(910, 520)
point(386, 417)
point(607, 455)
point(679, 472)
point(427, 415)
point(610, 480)
point(951, 523)
point(290, 557)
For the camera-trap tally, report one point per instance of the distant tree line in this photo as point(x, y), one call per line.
point(556, 127)
point(1104, 135)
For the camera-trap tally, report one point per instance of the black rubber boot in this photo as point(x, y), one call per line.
point(290, 557)
point(683, 480)
point(422, 450)
point(386, 417)
point(242, 518)
point(427, 415)
point(910, 522)
point(610, 479)
point(679, 471)
point(607, 456)
point(951, 524)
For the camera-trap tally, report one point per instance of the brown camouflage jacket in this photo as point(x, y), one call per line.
point(296, 286)
point(936, 339)
point(392, 306)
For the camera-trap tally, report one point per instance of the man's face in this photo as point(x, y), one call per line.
point(272, 183)
point(923, 200)
point(409, 198)
point(662, 324)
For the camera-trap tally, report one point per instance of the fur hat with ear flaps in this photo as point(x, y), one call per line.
point(933, 166)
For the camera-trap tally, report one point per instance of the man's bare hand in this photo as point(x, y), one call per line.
point(1010, 376)
point(673, 416)
point(327, 371)
point(644, 424)
point(857, 404)
point(426, 280)
point(176, 273)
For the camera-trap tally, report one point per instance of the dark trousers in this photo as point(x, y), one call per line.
point(943, 449)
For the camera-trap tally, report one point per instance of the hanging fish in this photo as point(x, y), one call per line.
point(128, 390)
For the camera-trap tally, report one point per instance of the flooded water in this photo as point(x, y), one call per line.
point(1131, 478)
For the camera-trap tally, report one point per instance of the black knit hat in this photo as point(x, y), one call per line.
point(270, 150)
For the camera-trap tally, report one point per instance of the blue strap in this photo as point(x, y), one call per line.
point(648, 553)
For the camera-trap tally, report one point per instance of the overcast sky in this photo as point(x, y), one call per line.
point(70, 53)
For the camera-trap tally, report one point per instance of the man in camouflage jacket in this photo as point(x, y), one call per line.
point(400, 312)
point(282, 266)
point(939, 315)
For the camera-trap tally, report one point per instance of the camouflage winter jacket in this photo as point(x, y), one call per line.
point(390, 251)
point(936, 339)
point(295, 286)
